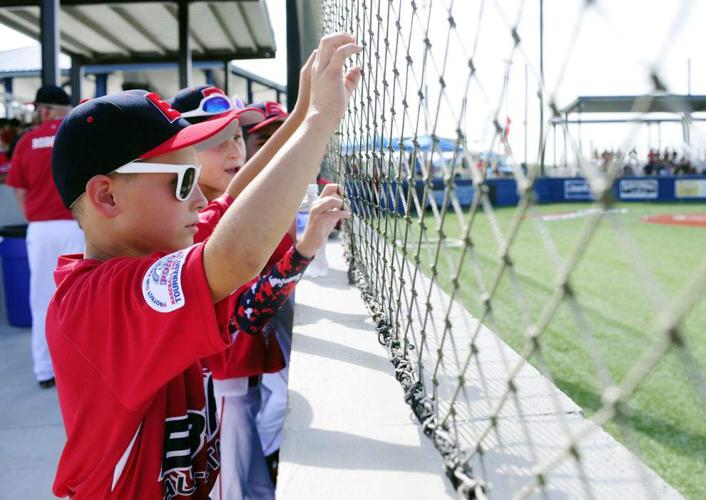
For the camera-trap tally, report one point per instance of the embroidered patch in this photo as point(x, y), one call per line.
point(161, 285)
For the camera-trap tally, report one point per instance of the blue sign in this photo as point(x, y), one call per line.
point(577, 189)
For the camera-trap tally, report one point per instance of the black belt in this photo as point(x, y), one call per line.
point(254, 380)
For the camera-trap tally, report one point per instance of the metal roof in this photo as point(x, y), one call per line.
point(143, 31)
point(16, 62)
point(648, 103)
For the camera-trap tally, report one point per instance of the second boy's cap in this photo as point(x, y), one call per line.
point(106, 133)
point(274, 112)
point(189, 100)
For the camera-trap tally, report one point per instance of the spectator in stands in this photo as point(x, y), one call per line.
point(52, 230)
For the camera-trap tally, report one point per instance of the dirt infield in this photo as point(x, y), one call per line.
point(694, 220)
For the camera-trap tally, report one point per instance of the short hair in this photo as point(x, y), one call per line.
point(77, 210)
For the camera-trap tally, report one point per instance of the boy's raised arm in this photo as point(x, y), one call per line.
point(254, 166)
point(251, 228)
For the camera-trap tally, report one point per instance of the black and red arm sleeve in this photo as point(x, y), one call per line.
point(266, 293)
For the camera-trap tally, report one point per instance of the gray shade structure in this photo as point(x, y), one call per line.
point(648, 103)
point(654, 108)
point(100, 32)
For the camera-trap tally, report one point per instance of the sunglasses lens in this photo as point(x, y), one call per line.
point(216, 105)
point(238, 103)
point(187, 183)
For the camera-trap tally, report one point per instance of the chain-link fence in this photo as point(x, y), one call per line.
point(492, 315)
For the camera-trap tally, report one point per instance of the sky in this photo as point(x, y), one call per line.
point(609, 47)
point(605, 49)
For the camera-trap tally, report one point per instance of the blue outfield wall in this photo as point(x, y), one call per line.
point(659, 189)
point(365, 198)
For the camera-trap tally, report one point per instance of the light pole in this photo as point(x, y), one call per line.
point(541, 87)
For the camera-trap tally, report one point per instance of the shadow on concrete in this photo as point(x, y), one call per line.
point(303, 311)
point(340, 352)
point(501, 469)
point(334, 279)
point(340, 450)
point(673, 436)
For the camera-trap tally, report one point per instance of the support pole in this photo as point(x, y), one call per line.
point(208, 74)
point(541, 88)
point(49, 13)
point(686, 133)
point(688, 76)
point(226, 77)
point(294, 56)
point(524, 123)
point(77, 74)
point(7, 84)
point(184, 45)
point(101, 84)
point(565, 151)
point(248, 84)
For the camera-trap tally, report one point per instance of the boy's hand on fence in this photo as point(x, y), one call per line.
point(325, 213)
point(330, 89)
point(304, 95)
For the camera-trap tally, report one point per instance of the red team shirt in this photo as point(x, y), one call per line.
point(254, 351)
point(31, 170)
point(138, 407)
point(137, 404)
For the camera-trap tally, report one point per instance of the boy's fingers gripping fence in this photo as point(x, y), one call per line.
point(439, 114)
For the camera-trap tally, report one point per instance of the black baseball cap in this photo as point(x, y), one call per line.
point(103, 134)
point(188, 101)
point(273, 111)
point(51, 94)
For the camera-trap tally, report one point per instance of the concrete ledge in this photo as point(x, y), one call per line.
point(349, 433)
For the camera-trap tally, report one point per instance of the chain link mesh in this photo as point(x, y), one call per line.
point(451, 282)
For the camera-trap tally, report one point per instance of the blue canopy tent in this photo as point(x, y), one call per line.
point(424, 143)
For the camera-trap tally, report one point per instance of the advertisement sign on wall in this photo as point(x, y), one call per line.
point(577, 189)
point(637, 189)
point(690, 188)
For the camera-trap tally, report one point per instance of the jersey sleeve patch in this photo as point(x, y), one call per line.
point(161, 285)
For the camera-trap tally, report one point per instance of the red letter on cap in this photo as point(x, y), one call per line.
point(169, 113)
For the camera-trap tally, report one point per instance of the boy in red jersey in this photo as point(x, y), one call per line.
point(139, 423)
point(255, 350)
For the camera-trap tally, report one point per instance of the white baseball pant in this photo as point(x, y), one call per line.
point(244, 474)
point(270, 420)
point(46, 241)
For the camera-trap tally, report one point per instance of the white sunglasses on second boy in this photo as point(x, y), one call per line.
point(187, 175)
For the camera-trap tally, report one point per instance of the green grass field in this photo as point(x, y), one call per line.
point(666, 417)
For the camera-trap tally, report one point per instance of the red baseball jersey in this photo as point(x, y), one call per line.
point(254, 351)
point(126, 336)
point(209, 217)
point(31, 170)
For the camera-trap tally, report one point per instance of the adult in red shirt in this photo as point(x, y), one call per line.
point(52, 230)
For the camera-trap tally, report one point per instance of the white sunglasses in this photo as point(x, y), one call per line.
point(213, 104)
point(187, 175)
